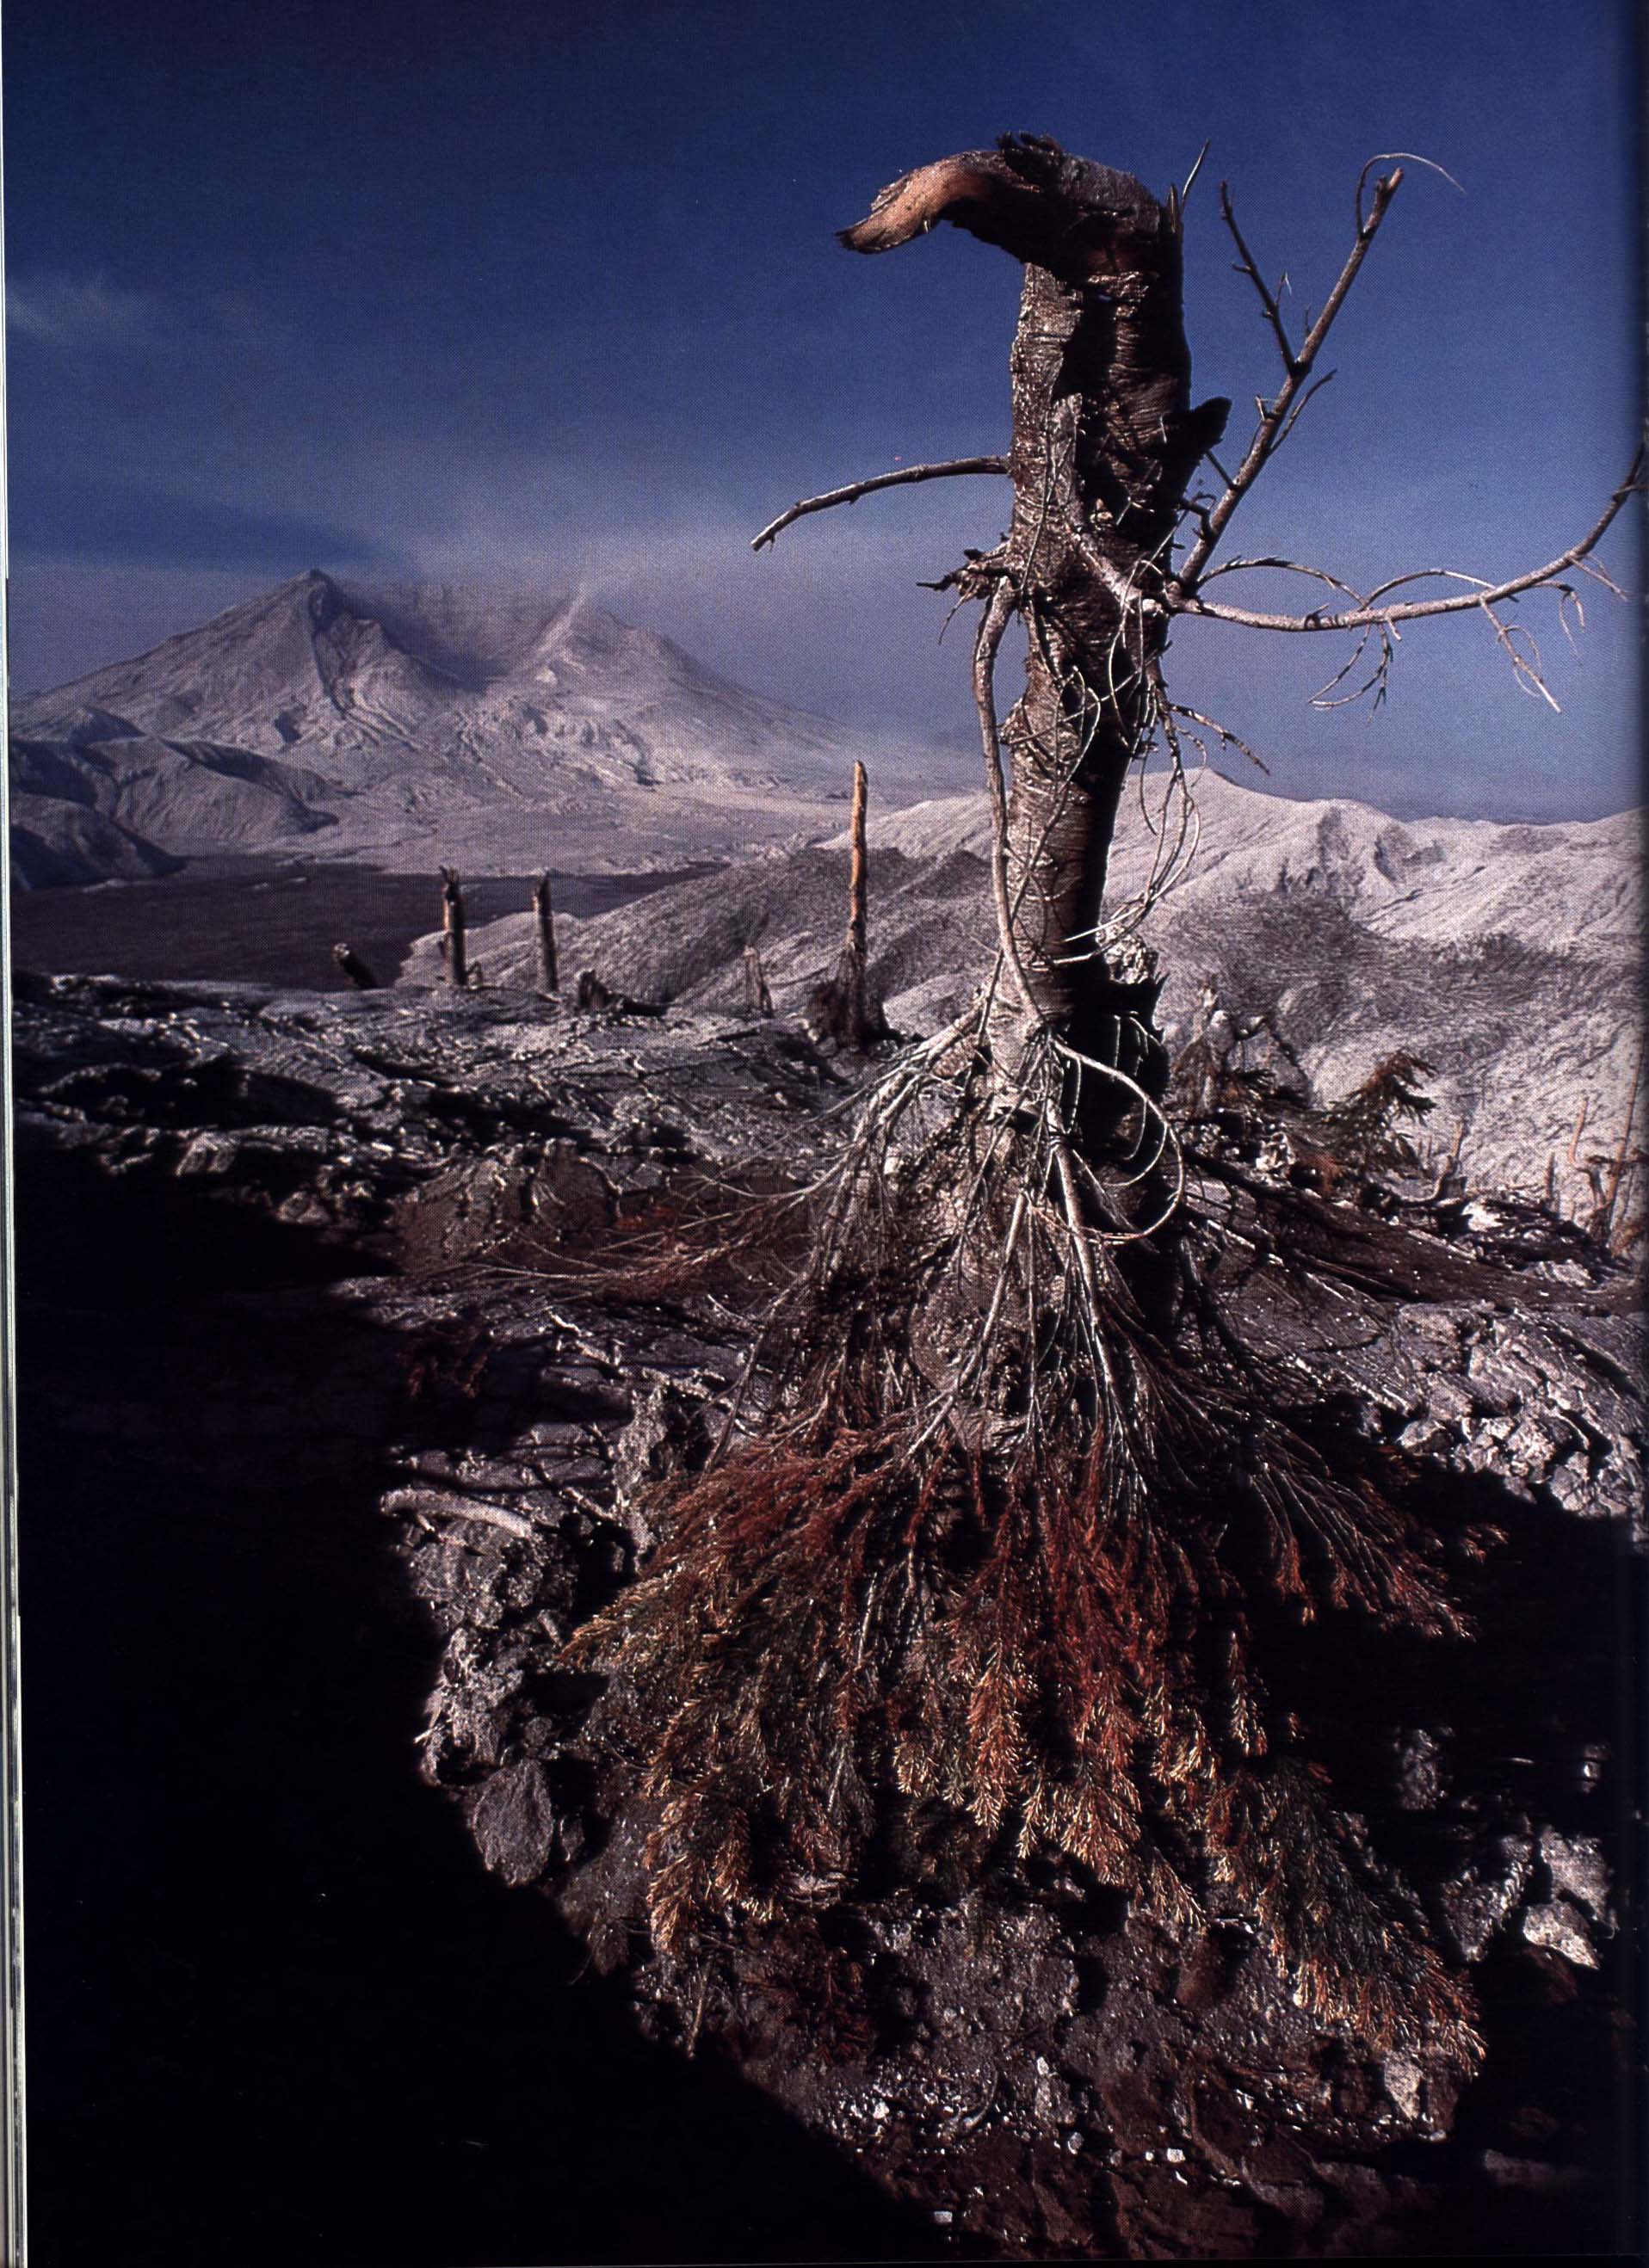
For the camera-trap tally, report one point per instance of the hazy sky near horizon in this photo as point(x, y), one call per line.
point(404, 289)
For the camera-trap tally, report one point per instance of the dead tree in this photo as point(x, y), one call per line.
point(843, 1008)
point(543, 916)
point(453, 946)
point(1000, 1539)
point(757, 996)
point(355, 968)
point(858, 892)
point(1619, 1164)
point(1450, 1185)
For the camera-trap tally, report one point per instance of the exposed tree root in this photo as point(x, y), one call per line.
point(1001, 1546)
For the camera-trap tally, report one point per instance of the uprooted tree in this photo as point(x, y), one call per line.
point(995, 1532)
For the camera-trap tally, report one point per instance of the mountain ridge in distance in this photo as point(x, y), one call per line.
point(502, 728)
point(1506, 956)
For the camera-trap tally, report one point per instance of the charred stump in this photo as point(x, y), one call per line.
point(355, 968)
point(454, 949)
point(543, 931)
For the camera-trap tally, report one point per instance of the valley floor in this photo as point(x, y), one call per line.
point(274, 921)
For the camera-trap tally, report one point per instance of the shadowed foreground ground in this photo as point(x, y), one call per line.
point(278, 2010)
point(306, 1475)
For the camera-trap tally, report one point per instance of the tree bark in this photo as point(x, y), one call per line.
point(1105, 443)
point(454, 947)
point(544, 911)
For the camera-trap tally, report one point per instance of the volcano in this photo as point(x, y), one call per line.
point(497, 728)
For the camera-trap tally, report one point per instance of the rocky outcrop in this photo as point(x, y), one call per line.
point(1023, 2064)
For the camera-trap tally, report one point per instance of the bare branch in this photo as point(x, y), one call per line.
point(1277, 416)
point(1247, 265)
point(1328, 696)
point(905, 477)
point(1222, 732)
point(1526, 667)
point(1190, 177)
point(1286, 567)
point(1423, 575)
point(1406, 157)
point(1414, 610)
point(1599, 575)
point(1297, 411)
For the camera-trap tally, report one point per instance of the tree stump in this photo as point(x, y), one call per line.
point(454, 949)
point(544, 912)
point(355, 968)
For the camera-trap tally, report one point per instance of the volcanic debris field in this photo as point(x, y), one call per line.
point(335, 1892)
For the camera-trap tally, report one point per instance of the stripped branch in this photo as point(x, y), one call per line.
point(1275, 419)
point(1185, 600)
point(1247, 266)
point(905, 477)
point(1404, 158)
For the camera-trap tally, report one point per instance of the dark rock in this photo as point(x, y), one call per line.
point(514, 1822)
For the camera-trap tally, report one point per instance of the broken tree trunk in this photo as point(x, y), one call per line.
point(758, 998)
point(843, 1008)
point(993, 1542)
point(355, 968)
point(858, 892)
point(1105, 443)
point(454, 951)
point(544, 911)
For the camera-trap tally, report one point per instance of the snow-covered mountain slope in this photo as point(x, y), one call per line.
point(1574, 883)
point(494, 728)
point(1506, 956)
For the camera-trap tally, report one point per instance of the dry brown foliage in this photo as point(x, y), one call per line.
point(998, 1547)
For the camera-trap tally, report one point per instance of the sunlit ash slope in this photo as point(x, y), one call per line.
point(1506, 956)
point(495, 729)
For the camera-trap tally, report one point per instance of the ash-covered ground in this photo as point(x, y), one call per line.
point(1507, 958)
point(336, 1936)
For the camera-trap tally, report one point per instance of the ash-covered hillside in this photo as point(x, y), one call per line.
point(1506, 957)
point(373, 1436)
point(503, 729)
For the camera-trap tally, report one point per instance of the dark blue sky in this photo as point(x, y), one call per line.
point(500, 288)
